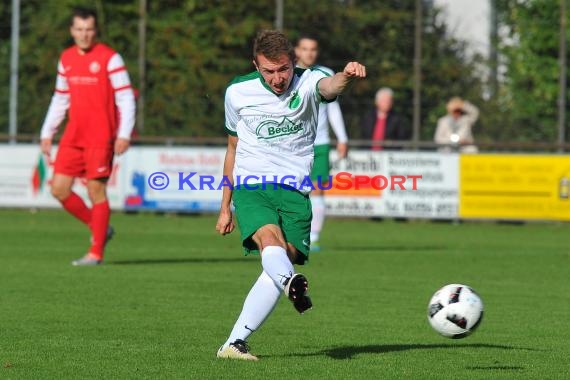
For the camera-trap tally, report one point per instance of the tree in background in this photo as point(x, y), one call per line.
point(44, 33)
point(381, 34)
point(5, 63)
point(530, 50)
point(194, 48)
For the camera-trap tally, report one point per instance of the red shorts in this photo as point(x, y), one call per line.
point(90, 163)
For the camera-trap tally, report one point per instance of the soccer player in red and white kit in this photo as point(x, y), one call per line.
point(94, 86)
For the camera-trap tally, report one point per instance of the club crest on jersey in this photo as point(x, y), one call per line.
point(272, 129)
point(94, 67)
point(295, 100)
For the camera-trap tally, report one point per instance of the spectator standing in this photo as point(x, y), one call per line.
point(454, 129)
point(382, 123)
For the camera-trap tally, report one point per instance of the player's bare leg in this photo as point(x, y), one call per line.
point(97, 191)
point(278, 277)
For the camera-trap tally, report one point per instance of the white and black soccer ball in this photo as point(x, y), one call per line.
point(455, 311)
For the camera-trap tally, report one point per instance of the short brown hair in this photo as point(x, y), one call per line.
point(272, 44)
point(84, 14)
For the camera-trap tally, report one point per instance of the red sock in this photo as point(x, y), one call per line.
point(76, 207)
point(99, 224)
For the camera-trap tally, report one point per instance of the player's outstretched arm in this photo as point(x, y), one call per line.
point(331, 87)
point(225, 223)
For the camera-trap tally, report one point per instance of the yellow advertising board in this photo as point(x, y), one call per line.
point(510, 186)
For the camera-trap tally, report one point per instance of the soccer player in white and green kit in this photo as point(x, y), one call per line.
point(271, 119)
point(307, 52)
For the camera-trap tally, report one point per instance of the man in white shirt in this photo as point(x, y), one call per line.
point(271, 119)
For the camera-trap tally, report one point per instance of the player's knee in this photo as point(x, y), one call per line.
point(96, 192)
point(96, 196)
point(269, 235)
point(60, 192)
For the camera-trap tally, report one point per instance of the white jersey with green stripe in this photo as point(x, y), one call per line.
point(276, 132)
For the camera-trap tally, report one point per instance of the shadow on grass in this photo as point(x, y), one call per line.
point(189, 260)
point(348, 352)
point(399, 248)
point(497, 367)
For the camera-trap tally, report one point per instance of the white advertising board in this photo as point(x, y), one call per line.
point(437, 192)
point(175, 179)
point(25, 178)
point(429, 185)
point(163, 179)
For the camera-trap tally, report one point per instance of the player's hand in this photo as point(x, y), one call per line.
point(225, 223)
point(121, 146)
point(355, 70)
point(342, 150)
point(45, 146)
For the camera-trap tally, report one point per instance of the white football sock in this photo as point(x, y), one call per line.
point(314, 237)
point(258, 304)
point(319, 210)
point(277, 265)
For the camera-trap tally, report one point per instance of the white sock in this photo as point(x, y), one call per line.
point(258, 304)
point(319, 210)
point(277, 265)
point(314, 237)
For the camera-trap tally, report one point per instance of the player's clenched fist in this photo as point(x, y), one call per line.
point(355, 70)
point(225, 223)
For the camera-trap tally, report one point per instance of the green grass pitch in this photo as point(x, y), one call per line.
point(171, 290)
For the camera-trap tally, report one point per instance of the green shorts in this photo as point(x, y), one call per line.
point(276, 204)
point(321, 164)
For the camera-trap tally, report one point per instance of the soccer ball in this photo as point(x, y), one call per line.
point(455, 311)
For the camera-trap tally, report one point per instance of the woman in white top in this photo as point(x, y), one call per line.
point(454, 129)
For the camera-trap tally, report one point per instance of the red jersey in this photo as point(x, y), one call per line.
point(379, 131)
point(91, 81)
